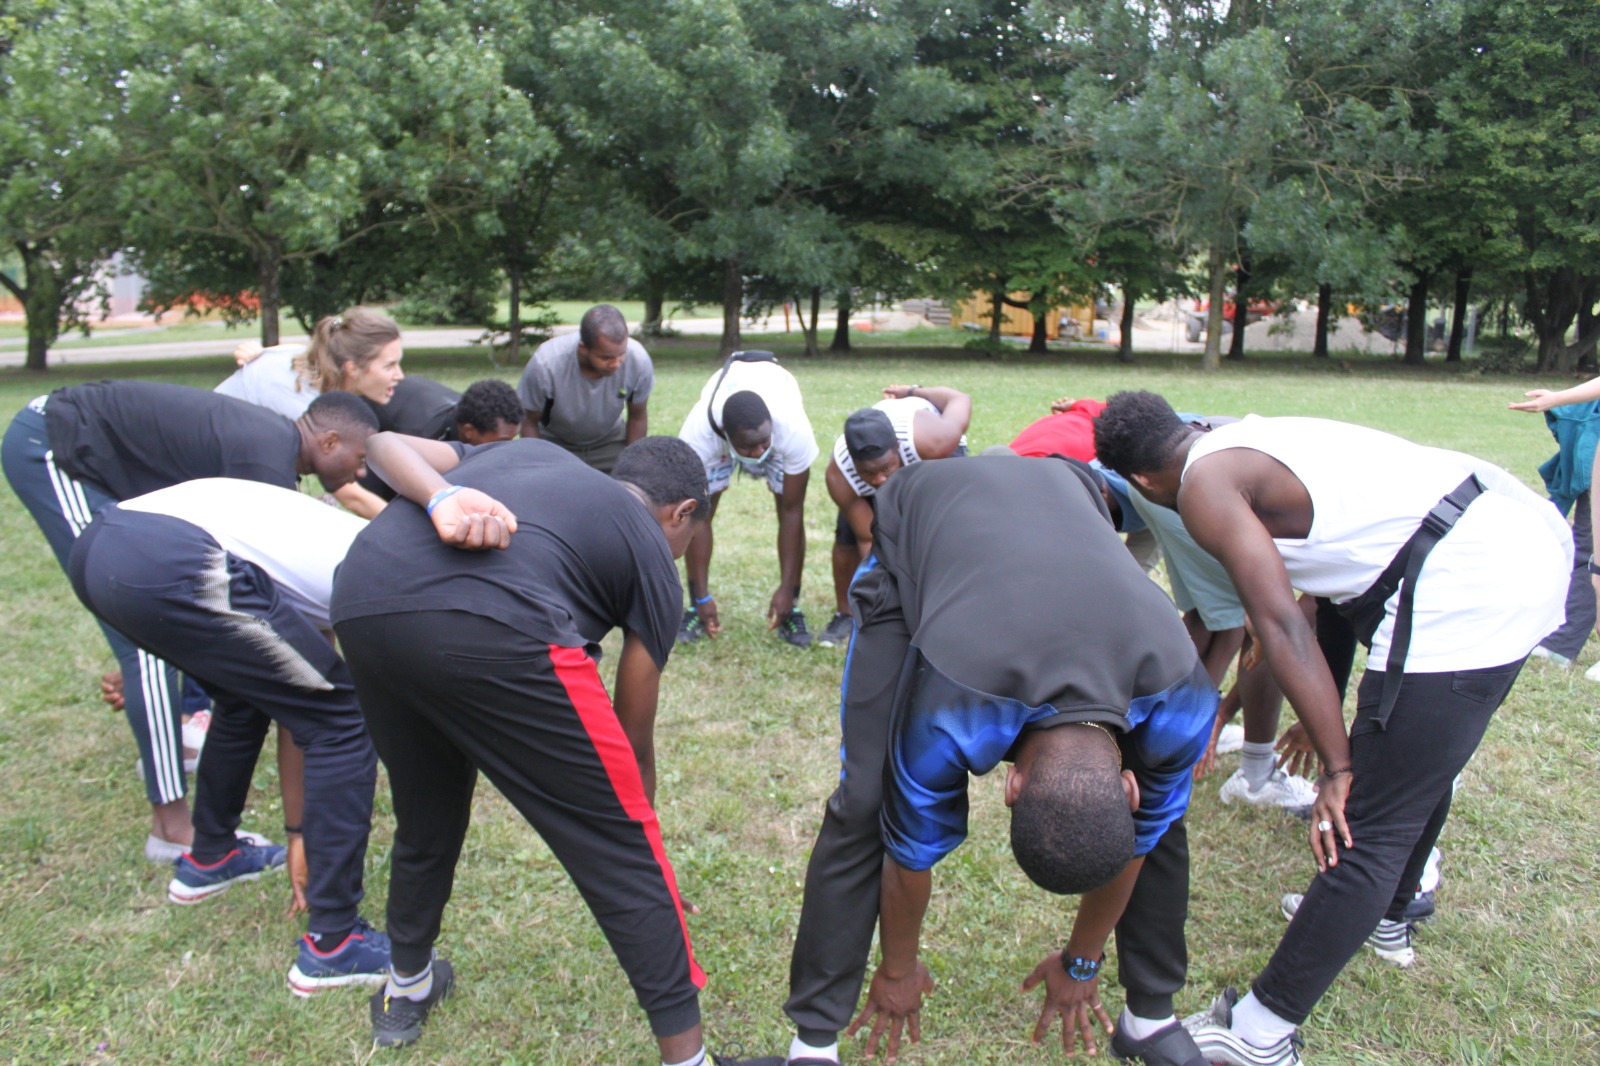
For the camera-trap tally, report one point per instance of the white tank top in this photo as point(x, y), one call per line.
point(1490, 590)
point(902, 416)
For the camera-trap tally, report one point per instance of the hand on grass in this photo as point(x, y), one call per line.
point(781, 607)
point(473, 521)
point(111, 689)
point(1078, 1003)
point(894, 1004)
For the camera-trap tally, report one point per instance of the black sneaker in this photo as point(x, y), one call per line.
point(397, 1021)
point(766, 1060)
point(1421, 908)
point(793, 629)
point(1169, 1046)
point(691, 629)
point(836, 634)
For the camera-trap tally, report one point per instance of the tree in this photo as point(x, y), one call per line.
point(283, 132)
point(57, 170)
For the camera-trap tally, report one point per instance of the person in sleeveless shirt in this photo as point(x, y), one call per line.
point(1451, 571)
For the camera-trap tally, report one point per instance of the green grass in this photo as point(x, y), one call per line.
point(96, 967)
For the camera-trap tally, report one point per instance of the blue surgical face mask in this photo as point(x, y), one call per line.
point(753, 466)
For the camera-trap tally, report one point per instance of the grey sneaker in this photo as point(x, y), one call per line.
point(1391, 941)
point(1213, 1033)
point(836, 634)
point(793, 629)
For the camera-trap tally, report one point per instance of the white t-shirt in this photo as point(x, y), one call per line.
point(298, 540)
point(902, 414)
point(794, 445)
point(1490, 590)
point(271, 380)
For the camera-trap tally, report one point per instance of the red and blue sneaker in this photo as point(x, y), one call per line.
point(362, 958)
point(192, 882)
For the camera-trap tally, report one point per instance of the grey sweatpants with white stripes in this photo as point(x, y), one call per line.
point(63, 507)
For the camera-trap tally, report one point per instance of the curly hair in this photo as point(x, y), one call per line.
point(1136, 433)
point(667, 471)
point(487, 403)
point(1071, 830)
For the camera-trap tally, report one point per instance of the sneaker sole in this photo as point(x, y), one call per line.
point(306, 987)
point(188, 895)
point(1401, 957)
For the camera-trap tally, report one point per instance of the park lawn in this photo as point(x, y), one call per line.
point(95, 966)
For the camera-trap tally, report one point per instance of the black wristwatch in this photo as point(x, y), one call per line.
point(1082, 969)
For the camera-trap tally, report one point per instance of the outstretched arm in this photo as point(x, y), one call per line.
point(638, 689)
point(791, 504)
point(638, 421)
point(894, 998)
point(1539, 400)
point(1218, 515)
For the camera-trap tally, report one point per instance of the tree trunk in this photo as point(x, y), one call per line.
point(841, 331)
point(1458, 317)
point(1039, 343)
point(1125, 326)
point(810, 329)
point(514, 342)
point(732, 307)
point(1241, 307)
point(1417, 321)
point(268, 267)
point(995, 315)
point(40, 295)
point(1588, 322)
point(653, 304)
point(1319, 346)
point(1211, 358)
point(1551, 305)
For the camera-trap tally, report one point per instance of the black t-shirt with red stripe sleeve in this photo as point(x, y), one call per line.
point(587, 556)
point(134, 437)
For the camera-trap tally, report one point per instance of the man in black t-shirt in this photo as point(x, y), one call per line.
point(467, 662)
point(79, 449)
point(420, 407)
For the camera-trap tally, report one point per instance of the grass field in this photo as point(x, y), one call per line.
point(95, 966)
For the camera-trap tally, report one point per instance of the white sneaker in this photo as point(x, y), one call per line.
point(1231, 739)
point(1593, 673)
point(165, 852)
point(1391, 941)
point(1542, 652)
point(1219, 1044)
point(194, 730)
point(1279, 790)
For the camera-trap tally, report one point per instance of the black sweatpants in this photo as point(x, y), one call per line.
point(840, 909)
point(1573, 634)
point(448, 693)
point(170, 587)
point(1399, 798)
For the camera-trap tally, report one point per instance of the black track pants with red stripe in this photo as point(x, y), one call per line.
point(446, 694)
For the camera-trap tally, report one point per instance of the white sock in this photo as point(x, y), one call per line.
point(697, 1059)
point(1255, 762)
point(1430, 872)
point(1139, 1028)
point(799, 1049)
point(415, 988)
point(1257, 1025)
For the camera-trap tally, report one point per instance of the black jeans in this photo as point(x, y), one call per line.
point(170, 587)
point(1399, 798)
point(446, 694)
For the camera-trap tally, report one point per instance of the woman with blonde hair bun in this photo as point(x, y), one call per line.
point(357, 350)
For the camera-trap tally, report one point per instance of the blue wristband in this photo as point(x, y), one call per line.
point(698, 603)
point(442, 495)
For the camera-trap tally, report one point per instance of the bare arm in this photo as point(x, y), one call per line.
point(1219, 517)
point(791, 504)
point(895, 996)
point(638, 421)
point(530, 425)
point(856, 510)
point(414, 468)
point(937, 436)
point(361, 502)
point(1540, 400)
point(638, 690)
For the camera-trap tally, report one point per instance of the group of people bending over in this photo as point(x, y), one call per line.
point(992, 615)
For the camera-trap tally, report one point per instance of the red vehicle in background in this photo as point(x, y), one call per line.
point(1195, 317)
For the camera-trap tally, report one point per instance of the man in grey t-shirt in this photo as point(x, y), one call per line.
point(576, 387)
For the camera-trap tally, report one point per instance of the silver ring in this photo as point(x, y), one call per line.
point(1324, 825)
